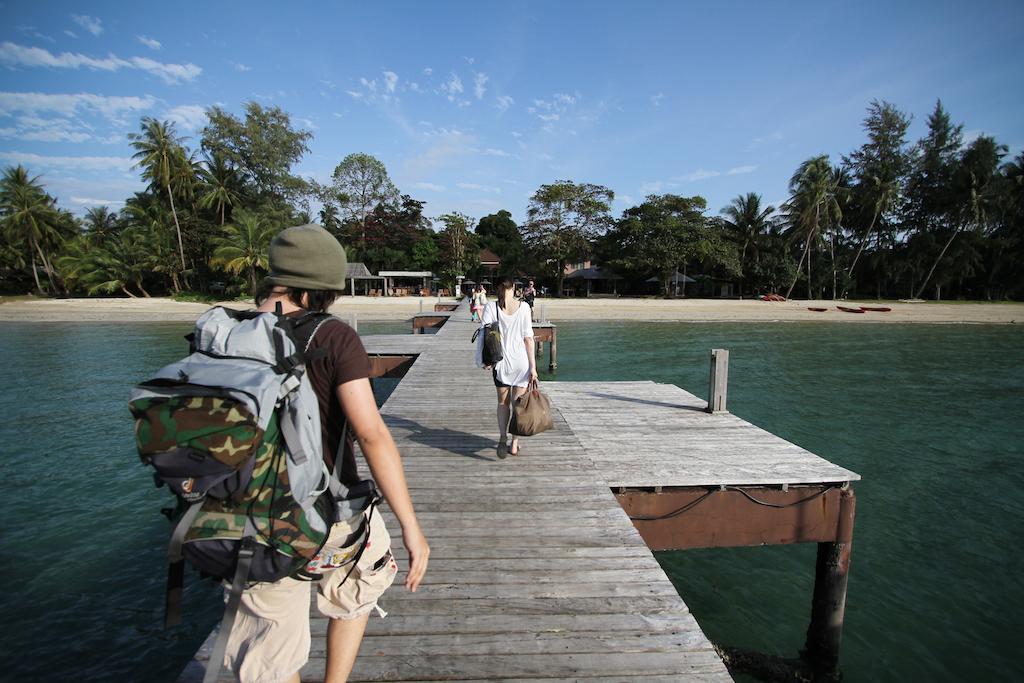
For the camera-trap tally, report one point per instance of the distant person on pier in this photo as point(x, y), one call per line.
point(271, 638)
point(480, 300)
point(529, 294)
point(518, 365)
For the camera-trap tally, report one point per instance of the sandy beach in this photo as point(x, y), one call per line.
point(402, 308)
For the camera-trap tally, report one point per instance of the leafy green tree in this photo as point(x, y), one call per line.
point(222, 188)
point(664, 233)
point(814, 203)
point(245, 246)
point(158, 151)
point(975, 189)
point(117, 264)
point(359, 184)
point(390, 233)
point(30, 219)
point(748, 221)
point(425, 253)
point(458, 246)
point(264, 147)
point(880, 166)
point(499, 233)
point(562, 220)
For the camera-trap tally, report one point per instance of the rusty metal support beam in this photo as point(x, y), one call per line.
point(445, 307)
point(716, 518)
point(390, 366)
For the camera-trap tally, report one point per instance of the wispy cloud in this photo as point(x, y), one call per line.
point(428, 71)
point(238, 66)
point(189, 117)
point(390, 80)
point(740, 170)
point(12, 54)
point(553, 108)
point(45, 130)
point(90, 24)
point(701, 174)
point(504, 102)
point(106, 105)
point(656, 99)
point(492, 152)
point(151, 43)
point(429, 187)
point(91, 163)
point(453, 88)
point(476, 187)
point(480, 85)
point(775, 136)
point(89, 201)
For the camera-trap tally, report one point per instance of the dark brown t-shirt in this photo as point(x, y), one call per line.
point(345, 361)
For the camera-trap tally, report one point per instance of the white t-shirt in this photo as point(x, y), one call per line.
point(514, 367)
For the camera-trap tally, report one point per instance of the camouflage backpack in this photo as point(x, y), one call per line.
point(233, 430)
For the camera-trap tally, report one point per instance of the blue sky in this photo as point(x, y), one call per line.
point(472, 106)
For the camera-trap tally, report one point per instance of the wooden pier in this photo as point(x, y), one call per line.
point(537, 572)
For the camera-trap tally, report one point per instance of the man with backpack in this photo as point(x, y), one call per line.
point(266, 631)
point(307, 273)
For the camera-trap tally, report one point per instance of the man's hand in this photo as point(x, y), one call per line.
point(416, 544)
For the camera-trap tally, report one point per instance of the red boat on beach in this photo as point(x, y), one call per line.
point(847, 309)
point(816, 309)
point(881, 309)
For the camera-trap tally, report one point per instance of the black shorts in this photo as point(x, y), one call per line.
point(497, 382)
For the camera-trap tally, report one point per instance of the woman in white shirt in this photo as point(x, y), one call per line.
point(518, 365)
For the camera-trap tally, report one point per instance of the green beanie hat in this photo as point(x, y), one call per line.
point(307, 257)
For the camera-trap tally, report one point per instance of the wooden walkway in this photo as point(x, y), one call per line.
point(536, 572)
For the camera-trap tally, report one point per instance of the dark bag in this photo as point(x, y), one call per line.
point(492, 352)
point(531, 413)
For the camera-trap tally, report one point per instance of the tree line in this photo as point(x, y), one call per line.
point(939, 217)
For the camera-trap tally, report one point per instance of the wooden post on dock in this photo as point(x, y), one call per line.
point(828, 606)
point(553, 351)
point(719, 381)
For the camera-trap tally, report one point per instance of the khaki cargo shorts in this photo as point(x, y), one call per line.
point(270, 639)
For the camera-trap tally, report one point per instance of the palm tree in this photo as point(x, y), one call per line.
point(149, 219)
point(244, 246)
point(29, 218)
point(885, 193)
point(100, 223)
point(222, 186)
point(117, 264)
point(748, 221)
point(977, 172)
point(159, 152)
point(813, 204)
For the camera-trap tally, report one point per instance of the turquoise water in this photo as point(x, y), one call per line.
point(930, 416)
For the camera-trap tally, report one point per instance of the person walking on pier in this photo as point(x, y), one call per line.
point(529, 294)
point(270, 640)
point(518, 365)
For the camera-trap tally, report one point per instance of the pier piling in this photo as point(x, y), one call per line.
point(828, 606)
point(719, 381)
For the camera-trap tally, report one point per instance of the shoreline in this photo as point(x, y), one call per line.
point(381, 309)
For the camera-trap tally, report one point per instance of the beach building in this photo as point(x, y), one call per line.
point(406, 282)
point(592, 280)
point(359, 272)
point(490, 263)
